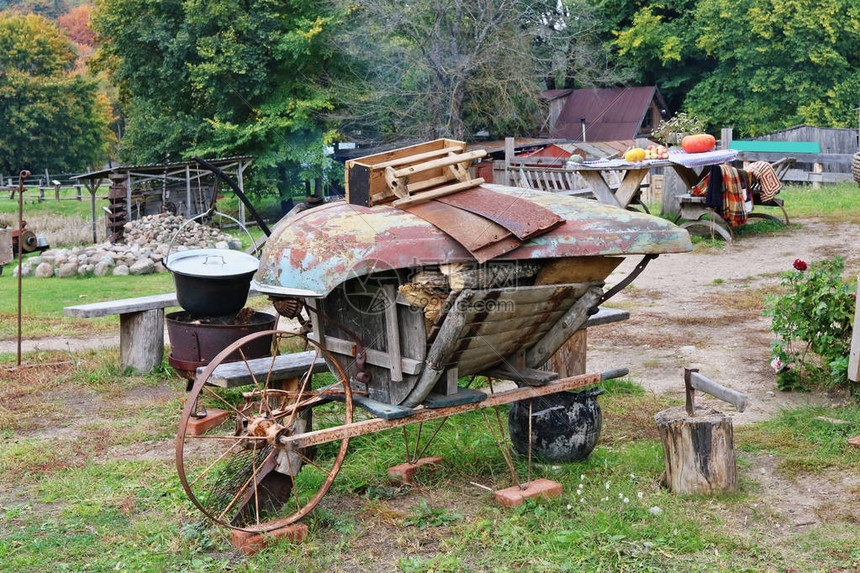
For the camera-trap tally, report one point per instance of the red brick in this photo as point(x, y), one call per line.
point(249, 542)
point(214, 417)
point(514, 496)
point(403, 473)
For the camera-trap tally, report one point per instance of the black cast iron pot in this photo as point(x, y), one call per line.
point(212, 281)
point(565, 426)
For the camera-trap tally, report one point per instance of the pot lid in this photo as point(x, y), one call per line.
point(214, 263)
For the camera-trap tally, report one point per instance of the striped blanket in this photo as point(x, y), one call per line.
point(735, 182)
point(767, 179)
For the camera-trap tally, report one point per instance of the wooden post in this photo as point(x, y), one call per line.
point(699, 451)
point(141, 340)
point(189, 212)
point(817, 170)
point(725, 138)
point(854, 356)
point(78, 192)
point(92, 191)
point(128, 197)
point(509, 157)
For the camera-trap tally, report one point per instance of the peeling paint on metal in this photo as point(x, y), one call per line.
point(320, 248)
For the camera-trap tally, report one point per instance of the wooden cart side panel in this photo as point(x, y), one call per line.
point(502, 322)
point(369, 316)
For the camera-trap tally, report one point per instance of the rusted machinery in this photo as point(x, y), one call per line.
point(397, 315)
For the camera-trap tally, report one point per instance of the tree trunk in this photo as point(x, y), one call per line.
point(699, 451)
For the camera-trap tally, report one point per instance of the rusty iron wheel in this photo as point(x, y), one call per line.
point(238, 473)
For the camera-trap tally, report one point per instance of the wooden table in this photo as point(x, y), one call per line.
point(632, 174)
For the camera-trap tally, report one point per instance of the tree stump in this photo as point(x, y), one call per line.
point(699, 451)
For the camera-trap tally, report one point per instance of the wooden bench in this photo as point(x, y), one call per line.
point(698, 216)
point(141, 326)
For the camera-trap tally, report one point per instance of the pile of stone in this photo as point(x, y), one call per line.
point(147, 244)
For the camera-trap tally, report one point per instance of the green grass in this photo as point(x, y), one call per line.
point(88, 492)
point(839, 202)
point(43, 301)
point(809, 444)
point(49, 206)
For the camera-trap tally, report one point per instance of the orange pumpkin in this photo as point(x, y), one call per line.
point(698, 143)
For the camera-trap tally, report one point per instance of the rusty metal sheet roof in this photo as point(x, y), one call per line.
point(610, 113)
point(312, 253)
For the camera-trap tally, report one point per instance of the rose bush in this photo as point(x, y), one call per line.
point(813, 322)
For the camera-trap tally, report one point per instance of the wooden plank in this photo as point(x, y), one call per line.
point(127, 305)
point(392, 332)
point(830, 158)
point(569, 360)
point(606, 316)
point(600, 187)
point(519, 322)
point(630, 186)
point(854, 355)
point(437, 163)
point(123, 306)
point(282, 367)
point(562, 330)
point(416, 157)
point(375, 357)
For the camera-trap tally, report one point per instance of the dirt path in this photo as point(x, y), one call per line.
point(703, 309)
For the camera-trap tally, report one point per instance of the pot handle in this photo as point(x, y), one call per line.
point(179, 230)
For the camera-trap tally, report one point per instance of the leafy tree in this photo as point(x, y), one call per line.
point(51, 9)
point(779, 63)
point(53, 118)
point(76, 24)
point(449, 68)
point(756, 65)
point(659, 42)
point(219, 78)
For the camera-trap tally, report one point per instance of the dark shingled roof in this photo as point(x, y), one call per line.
point(610, 113)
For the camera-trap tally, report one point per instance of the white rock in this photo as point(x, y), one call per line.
point(66, 270)
point(26, 270)
point(44, 270)
point(655, 510)
point(120, 270)
point(101, 269)
point(142, 267)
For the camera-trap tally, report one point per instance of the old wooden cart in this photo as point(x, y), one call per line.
point(396, 313)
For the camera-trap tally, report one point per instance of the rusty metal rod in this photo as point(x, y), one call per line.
point(21, 177)
point(378, 424)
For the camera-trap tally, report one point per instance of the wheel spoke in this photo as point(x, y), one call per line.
point(313, 463)
point(212, 465)
point(225, 402)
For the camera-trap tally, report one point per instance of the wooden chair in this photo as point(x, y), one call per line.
point(700, 217)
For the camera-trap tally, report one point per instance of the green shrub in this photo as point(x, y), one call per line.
point(813, 322)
